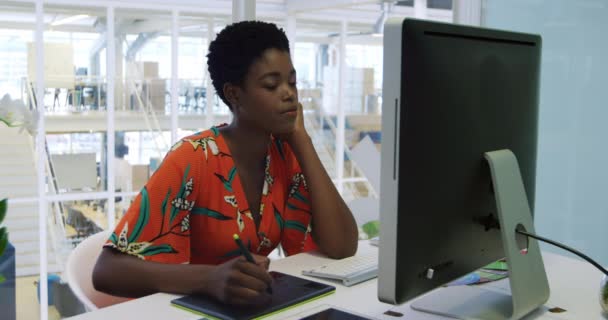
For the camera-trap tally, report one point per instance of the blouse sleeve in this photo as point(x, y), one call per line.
point(297, 215)
point(156, 226)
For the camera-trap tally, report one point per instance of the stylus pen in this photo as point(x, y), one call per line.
point(247, 255)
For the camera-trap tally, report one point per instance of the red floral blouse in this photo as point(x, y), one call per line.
point(194, 203)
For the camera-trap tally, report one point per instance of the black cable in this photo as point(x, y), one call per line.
point(565, 247)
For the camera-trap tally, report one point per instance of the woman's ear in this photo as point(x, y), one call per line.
point(231, 92)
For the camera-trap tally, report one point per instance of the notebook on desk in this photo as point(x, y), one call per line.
point(288, 291)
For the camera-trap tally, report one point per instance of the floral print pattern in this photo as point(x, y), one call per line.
point(194, 203)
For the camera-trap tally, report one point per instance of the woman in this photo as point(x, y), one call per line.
point(245, 178)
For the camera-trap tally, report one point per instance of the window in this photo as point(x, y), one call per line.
point(439, 4)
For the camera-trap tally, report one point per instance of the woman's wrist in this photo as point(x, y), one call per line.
point(196, 278)
point(298, 140)
point(204, 277)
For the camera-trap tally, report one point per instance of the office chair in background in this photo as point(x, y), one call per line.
point(79, 273)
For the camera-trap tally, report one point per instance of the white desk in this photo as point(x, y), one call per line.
point(574, 287)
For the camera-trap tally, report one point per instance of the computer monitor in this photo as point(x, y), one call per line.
point(452, 93)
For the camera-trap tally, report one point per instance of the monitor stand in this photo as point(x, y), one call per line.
point(527, 278)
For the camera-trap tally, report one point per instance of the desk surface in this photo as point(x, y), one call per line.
point(574, 287)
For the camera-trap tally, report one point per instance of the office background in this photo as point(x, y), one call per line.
point(116, 104)
point(120, 81)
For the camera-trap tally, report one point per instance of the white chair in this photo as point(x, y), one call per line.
point(79, 271)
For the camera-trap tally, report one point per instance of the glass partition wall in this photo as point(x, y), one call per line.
point(197, 99)
point(571, 167)
point(122, 81)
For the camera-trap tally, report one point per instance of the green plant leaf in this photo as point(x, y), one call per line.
point(3, 206)
point(2, 279)
point(6, 123)
point(372, 228)
point(604, 290)
point(3, 239)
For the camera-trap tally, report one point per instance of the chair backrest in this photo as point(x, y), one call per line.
point(79, 271)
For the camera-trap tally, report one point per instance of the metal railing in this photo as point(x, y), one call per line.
point(150, 118)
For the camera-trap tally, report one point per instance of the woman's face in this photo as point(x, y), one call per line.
point(268, 99)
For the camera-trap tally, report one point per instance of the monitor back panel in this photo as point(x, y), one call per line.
point(463, 91)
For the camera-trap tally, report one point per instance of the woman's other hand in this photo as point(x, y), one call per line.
point(239, 282)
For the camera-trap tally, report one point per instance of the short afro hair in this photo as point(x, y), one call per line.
point(237, 47)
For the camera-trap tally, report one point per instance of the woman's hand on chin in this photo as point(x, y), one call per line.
point(298, 132)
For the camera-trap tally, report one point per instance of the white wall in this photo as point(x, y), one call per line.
point(572, 173)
